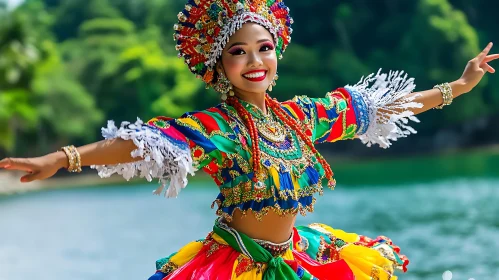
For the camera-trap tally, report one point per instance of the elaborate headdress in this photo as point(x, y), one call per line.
point(205, 26)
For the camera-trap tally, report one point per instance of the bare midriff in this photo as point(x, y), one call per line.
point(272, 227)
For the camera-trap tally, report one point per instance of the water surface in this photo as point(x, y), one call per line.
point(118, 232)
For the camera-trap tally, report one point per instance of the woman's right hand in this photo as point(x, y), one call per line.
point(38, 168)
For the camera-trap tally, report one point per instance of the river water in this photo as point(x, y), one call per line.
point(118, 232)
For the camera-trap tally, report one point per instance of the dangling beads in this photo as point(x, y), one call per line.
point(284, 117)
point(250, 125)
point(273, 83)
point(293, 124)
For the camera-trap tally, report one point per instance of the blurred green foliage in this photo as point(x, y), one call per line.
point(68, 66)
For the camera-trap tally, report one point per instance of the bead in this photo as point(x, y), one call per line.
point(447, 96)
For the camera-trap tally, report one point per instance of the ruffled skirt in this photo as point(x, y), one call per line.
point(317, 252)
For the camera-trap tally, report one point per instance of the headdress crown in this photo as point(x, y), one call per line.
point(205, 26)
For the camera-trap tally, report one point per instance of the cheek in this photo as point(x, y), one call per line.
point(233, 66)
point(271, 61)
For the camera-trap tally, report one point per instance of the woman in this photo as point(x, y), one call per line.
point(260, 152)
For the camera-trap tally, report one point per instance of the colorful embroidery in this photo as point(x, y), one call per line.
point(214, 246)
point(219, 143)
point(244, 264)
point(204, 27)
point(168, 267)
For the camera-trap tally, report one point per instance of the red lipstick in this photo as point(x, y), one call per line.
point(256, 79)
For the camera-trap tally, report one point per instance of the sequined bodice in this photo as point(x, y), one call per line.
point(290, 173)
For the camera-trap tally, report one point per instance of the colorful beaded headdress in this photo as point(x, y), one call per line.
point(205, 26)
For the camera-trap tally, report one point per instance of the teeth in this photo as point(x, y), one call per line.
point(255, 75)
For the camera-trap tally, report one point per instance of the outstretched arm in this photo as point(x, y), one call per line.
point(164, 148)
point(472, 75)
point(379, 108)
point(105, 152)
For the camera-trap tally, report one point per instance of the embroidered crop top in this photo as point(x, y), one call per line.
point(217, 141)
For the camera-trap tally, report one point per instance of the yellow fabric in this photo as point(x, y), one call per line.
point(253, 274)
point(219, 239)
point(364, 262)
point(290, 110)
point(191, 122)
point(186, 253)
point(275, 177)
point(296, 185)
point(345, 236)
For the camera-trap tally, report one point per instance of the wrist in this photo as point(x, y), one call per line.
point(61, 160)
point(458, 88)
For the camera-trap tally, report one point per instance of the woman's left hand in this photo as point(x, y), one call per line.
point(476, 69)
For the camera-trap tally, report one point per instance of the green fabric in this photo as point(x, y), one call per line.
point(314, 237)
point(161, 262)
point(277, 269)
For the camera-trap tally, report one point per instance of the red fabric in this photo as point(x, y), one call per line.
point(337, 270)
point(205, 265)
point(219, 112)
point(169, 130)
point(321, 111)
point(348, 116)
point(209, 123)
point(296, 109)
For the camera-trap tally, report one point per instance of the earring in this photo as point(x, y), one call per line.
point(223, 86)
point(273, 83)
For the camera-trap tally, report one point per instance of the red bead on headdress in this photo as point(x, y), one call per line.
point(205, 26)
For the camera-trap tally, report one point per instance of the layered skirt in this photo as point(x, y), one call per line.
point(317, 251)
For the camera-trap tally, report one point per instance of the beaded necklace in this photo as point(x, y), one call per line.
point(287, 155)
point(266, 124)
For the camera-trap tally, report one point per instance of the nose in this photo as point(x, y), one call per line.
point(254, 59)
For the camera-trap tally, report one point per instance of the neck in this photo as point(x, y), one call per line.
point(257, 99)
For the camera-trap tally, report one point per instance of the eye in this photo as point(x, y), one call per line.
point(237, 51)
point(267, 47)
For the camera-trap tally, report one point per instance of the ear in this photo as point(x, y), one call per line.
point(219, 67)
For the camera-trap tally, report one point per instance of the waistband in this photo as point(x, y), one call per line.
point(276, 267)
point(275, 249)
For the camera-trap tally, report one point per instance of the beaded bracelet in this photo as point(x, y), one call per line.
point(446, 91)
point(74, 158)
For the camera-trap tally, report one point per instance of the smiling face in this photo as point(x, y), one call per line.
point(249, 60)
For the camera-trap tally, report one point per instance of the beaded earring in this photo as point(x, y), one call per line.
point(273, 83)
point(223, 86)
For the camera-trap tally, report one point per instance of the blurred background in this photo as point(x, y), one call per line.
point(68, 66)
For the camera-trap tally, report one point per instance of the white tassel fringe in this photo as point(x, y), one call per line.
point(162, 158)
point(386, 98)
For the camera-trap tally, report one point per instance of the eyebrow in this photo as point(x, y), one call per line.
point(245, 44)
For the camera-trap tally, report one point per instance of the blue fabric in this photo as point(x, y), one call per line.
point(157, 276)
point(361, 110)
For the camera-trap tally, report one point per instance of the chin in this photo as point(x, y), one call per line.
point(257, 88)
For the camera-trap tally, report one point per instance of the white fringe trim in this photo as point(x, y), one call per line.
point(162, 158)
point(387, 102)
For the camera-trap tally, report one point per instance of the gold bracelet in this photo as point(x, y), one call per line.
point(446, 91)
point(74, 158)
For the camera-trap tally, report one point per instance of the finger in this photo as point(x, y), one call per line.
point(488, 68)
point(485, 52)
point(491, 69)
point(17, 164)
point(491, 57)
point(6, 162)
point(30, 177)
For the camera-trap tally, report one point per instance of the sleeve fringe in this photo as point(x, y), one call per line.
point(163, 158)
point(386, 97)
